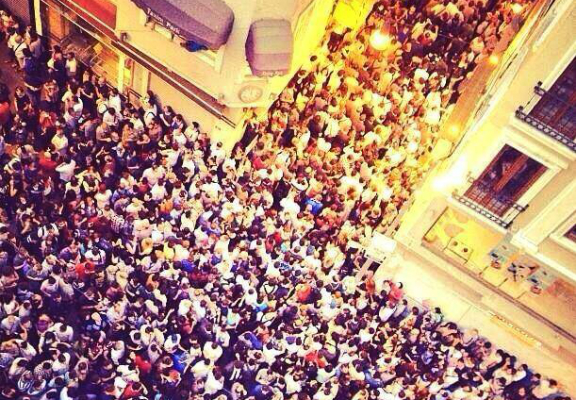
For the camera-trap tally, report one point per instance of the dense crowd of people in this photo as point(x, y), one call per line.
point(139, 260)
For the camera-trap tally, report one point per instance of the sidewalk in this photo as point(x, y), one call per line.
point(470, 305)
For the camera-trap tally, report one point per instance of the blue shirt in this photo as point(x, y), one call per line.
point(315, 205)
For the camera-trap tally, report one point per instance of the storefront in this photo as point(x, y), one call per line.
point(210, 59)
point(88, 32)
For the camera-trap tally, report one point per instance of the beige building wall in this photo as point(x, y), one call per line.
point(549, 317)
point(429, 279)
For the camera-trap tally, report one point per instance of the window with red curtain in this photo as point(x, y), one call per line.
point(505, 180)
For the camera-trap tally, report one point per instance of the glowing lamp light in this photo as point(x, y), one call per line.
point(517, 8)
point(379, 40)
point(440, 183)
point(454, 129)
point(494, 59)
point(412, 147)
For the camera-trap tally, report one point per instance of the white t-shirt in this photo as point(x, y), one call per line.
point(66, 170)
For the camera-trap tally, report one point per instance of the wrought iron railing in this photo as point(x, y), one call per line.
point(498, 208)
point(565, 134)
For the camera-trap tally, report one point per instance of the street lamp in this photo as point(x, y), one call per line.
point(380, 40)
point(517, 8)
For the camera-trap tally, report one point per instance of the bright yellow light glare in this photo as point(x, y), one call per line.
point(454, 129)
point(517, 8)
point(440, 183)
point(347, 14)
point(453, 177)
point(494, 59)
point(379, 40)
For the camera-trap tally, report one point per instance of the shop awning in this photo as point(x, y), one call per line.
point(206, 22)
point(269, 47)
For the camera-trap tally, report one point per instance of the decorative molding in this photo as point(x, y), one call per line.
point(536, 229)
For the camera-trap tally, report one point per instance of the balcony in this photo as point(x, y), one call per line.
point(552, 115)
point(498, 208)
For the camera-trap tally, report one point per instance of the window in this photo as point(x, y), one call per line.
point(210, 57)
point(157, 27)
point(571, 234)
point(505, 180)
point(557, 106)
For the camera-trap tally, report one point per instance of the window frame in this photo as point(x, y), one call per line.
point(533, 149)
point(516, 199)
point(559, 235)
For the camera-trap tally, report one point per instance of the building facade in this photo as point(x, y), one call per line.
point(139, 48)
point(23, 9)
point(499, 212)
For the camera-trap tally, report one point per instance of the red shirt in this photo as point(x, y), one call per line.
point(47, 164)
point(83, 269)
point(4, 113)
point(258, 164)
point(303, 292)
point(129, 392)
point(370, 286)
point(315, 357)
point(142, 364)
